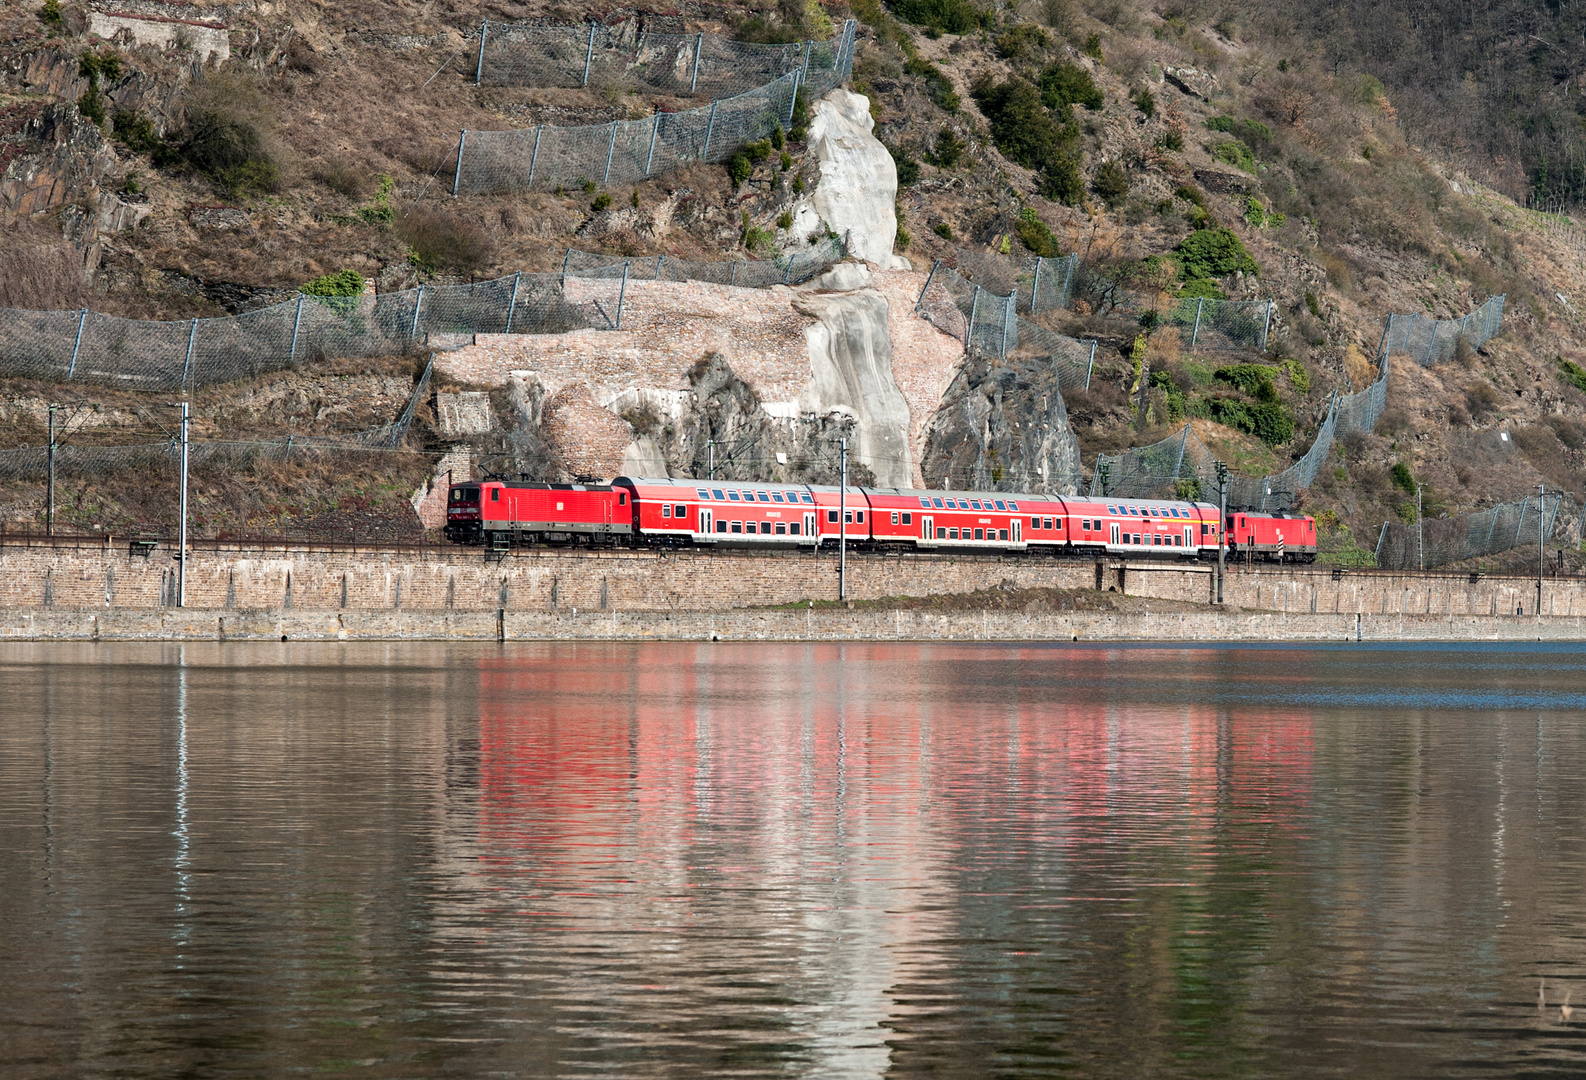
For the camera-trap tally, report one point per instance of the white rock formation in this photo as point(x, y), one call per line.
point(850, 356)
point(857, 193)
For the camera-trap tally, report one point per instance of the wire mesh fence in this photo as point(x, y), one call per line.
point(1037, 284)
point(33, 462)
point(629, 56)
point(546, 157)
point(988, 324)
point(1436, 341)
point(1429, 544)
point(85, 346)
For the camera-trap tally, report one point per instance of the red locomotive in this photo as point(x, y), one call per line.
point(668, 511)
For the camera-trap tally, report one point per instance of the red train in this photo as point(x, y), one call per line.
point(647, 511)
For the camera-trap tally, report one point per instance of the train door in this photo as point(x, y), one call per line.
point(1017, 532)
point(809, 528)
point(1114, 533)
point(704, 519)
point(928, 529)
point(1189, 536)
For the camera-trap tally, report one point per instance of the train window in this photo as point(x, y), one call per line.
point(1243, 523)
point(908, 518)
point(980, 534)
point(793, 527)
point(938, 503)
point(763, 496)
point(702, 493)
point(1057, 523)
point(781, 529)
point(894, 517)
point(1005, 506)
point(765, 528)
point(848, 517)
point(721, 526)
point(622, 498)
point(806, 497)
point(495, 494)
point(831, 516)
point(1013, 506)
point(666, 510)
point(861, 517)
point(776, 496)
point(680, 511)
point(717, 494)
point(1177, 541)
point(925, 504)
point(952, 534)
point(974, 504)
point(1002, 534)
point(732, 495)
point(1035, 523)
point(737, 526)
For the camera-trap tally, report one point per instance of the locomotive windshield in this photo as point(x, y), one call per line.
point(465, 494)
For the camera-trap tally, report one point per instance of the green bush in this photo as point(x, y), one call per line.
point(801, 118)
point(602, 202)
point(1063, 178)
point(778, 140)
point(1064, 84)
point(1253, 379)
point(1237, 154)
point(937, 85)
point(230, 152)
point(1111, 183)
point(1032, 135)
point(1145, 101)
point(1267, 421)
point(943, 229)
point(1092, 47)
point(50, 14)
point(440, 240)
point(945, 16)
point(1201, 289)
point(1190, 193)
point(1572, 373)
point(902, 238)
point(786, 161)
point(342, 283)
point(784, 220)
point(1299, 378)
point(908, 168)
point(739, 169)
point(1402, 479)
point(1022, 41)
point(1170, 140)
point(949, 149)
point(1212, 253)
point(1034, 234)
point(758, 151)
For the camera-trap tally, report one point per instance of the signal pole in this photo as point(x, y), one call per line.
point(710, 445)
point(1222, 526)
point(49, 506)
point(1541, 553)
point(842, 528)
point(181, 550)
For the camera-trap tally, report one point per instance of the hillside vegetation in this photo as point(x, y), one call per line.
point(1347, 161)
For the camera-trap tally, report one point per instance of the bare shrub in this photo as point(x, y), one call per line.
point(1572, 433)
point(342, 177)
point(438, 240)
point(1481, 400)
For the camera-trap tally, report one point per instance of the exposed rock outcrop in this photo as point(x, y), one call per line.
point(857, 192)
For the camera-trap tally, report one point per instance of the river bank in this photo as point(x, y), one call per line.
point(808, 624)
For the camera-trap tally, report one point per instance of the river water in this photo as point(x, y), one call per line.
point(650, 860)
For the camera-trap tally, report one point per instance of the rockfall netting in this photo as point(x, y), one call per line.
point(989, 324)
point(632, 58)
point(1442, 541)
point(1435, 341)
point(32, 462)
point(85, 346)
point(984, 286)
point(546, 157)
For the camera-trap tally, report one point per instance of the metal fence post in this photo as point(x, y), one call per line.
point(82, 320)
point(457, 176)
point(1007, 315)
point(589, 53)
point(1383, 535)
point(512, 305)
point(534, 159)
point(1091, 366)
point(297, 321)
point(418, 305)
point(192, 337)
point(969, 331)
point(732, 279)
point(654, 131)
point(1266, 326)
point(565, 260)
point(928, 279)
point(611, 148)
point(622, 294)
point(793, 99)
point(479, 68)
point(710, 127)
point(1035, 286)
point(1068, 279)
point(699, 44)
point(1195, 334)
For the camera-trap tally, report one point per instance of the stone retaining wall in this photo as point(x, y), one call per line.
point(462, 579)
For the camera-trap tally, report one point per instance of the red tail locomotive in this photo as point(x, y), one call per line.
point(677, 511)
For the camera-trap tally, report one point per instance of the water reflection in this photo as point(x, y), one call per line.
point(853, 860)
